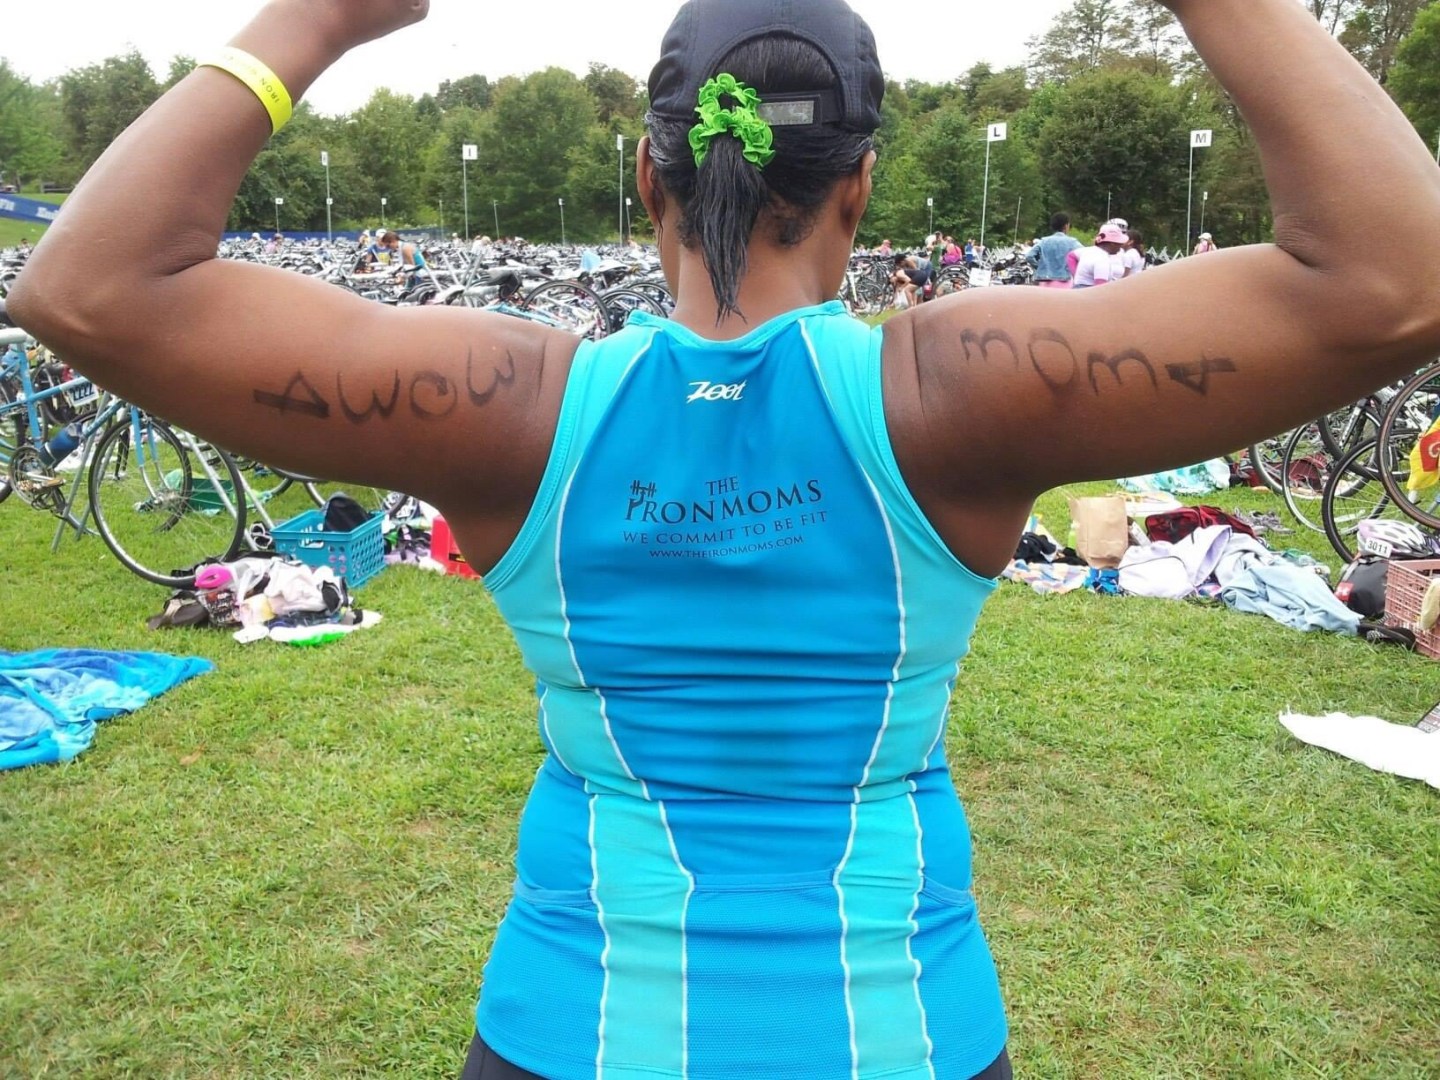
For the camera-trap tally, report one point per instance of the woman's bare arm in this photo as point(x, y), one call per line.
point(999, 394)
point(451, 404)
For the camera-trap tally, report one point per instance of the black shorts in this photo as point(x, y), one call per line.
point(484, 1064)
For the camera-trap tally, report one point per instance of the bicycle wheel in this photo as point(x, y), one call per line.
point(1304, 468)
point(568, 306)
point(656, 292)
point(1265, 459)
point(266, 484)
point(1355, 492)
point(1344, 429)
point(622, 303)
point(12, 437)
point(162, 506)
point(1406, 433)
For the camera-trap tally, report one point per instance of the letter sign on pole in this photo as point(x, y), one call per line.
point(325, 158)
point(1201, 140)
point(470, 152)
point(998, 133)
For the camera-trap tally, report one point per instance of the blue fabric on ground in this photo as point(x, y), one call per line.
point(51, 700)
point(1291, 596)
point(1199, 479)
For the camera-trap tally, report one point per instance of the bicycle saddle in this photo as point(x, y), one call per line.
point(502, 276)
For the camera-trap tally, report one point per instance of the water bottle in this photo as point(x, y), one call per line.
point(61, 446)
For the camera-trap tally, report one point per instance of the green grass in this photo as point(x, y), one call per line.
point(13, 230)
point(292, 867)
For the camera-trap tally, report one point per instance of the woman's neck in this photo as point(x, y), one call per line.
point(776, 281)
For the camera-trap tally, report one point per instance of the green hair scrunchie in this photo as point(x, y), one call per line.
point(741, 121)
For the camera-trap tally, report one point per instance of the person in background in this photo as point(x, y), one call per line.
point(1103, 263)
point(885, 249)
point(911, 280)
point(953, 254)
point(1134, 253)
point(1047, 256)
point(1206, 245)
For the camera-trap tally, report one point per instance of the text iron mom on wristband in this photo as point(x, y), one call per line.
point(263, 82)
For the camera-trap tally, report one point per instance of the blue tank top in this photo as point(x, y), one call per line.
point(743, 855)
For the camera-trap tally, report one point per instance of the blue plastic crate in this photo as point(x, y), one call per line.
point(357, 555)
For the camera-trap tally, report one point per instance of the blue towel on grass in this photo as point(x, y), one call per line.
point(51, 700)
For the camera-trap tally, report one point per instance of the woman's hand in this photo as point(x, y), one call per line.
point(354, 22)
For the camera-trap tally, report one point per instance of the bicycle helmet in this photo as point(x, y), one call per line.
point(1402, 537)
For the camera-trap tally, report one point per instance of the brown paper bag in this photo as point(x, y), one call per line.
point(1102, 530)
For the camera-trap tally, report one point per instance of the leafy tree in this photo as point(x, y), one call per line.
point(30, 147)
point(389, 139)
point(1331, 14)
point(1002, 94)
point(1083, 38)
point(471, 91)
point(617, 95)
point(289, 168)
point(446, 183)
point(180, 66)
point(100, 101)
point(1415, 76)
point(538, 121)
point(1376, 29)
point(1120, 137)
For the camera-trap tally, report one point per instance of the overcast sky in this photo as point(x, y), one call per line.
point(934, 41)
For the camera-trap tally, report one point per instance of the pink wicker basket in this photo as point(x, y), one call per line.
point(1406, 583)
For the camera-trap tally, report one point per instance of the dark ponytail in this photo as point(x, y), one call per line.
point(725, 199)
point(729, 195)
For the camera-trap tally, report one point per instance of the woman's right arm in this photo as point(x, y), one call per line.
point(999, 394)
point(450, 404)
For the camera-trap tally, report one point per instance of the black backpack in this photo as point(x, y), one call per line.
point(1362, 586)
point(344, 514)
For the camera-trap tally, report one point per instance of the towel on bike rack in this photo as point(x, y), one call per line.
point(51, 700)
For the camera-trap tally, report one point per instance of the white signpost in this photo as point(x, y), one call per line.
point(279, 202)
point(329, 202)
point(620, 146)
point(931, 204)
point(468, 152)
point(993, 134)
point(1201, 139)
point(562, 222)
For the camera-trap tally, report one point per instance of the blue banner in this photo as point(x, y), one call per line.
point(14, 206)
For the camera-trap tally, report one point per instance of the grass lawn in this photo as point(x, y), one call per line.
point(292, 867)
point(13, 230)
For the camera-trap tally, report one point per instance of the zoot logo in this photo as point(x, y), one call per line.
point(708, 391)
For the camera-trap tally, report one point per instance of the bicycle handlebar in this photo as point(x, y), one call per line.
point(13, 337)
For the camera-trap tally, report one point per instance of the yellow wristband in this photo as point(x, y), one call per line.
point(260, 79)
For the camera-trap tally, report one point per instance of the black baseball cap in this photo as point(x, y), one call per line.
point(704, 31)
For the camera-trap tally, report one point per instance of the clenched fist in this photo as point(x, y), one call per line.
point(348, 23)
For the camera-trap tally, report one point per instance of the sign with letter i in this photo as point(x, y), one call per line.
point(998, 133)
point(469, 152)
point(1201, 140)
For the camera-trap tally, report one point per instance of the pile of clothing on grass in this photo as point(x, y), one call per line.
point(1152, 546)
point(267, 597)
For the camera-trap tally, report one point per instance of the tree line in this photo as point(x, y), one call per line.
point(1098, 125)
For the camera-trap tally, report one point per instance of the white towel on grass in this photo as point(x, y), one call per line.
point(1389, 748)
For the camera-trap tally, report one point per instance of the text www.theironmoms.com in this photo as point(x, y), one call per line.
point(725, 552)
